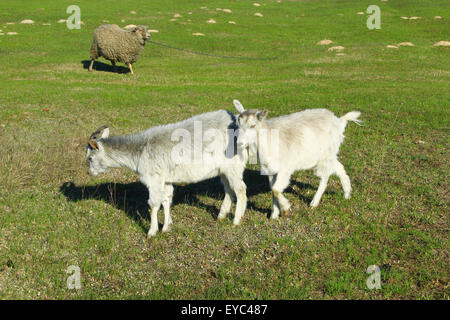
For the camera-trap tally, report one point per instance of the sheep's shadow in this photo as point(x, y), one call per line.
point(106, 67)
point(132, 197)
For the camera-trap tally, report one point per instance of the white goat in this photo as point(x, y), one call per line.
point(309, 139)
point(161, 161)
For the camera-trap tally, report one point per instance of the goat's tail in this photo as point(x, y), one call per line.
point(351, 116)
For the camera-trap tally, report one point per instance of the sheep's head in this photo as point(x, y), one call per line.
point(249, 122)
point(142, 31)
point(95, 153)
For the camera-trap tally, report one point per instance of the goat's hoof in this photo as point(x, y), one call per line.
point(151, 234)
point(165, 229)
point(221, 216)
point(274, 216)
point(346, 195)
point(314, 204)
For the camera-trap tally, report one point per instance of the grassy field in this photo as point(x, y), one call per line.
point(53, 215)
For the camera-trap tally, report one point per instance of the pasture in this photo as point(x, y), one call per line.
point(53, 215)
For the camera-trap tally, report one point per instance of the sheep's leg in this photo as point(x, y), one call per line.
point(239, 188)
point(324, 175)
point(344, 178)
point(114, 66)
point(131, 68)
point(227, 201)
point(91, 65)
point(282, 181)
point(168, 190)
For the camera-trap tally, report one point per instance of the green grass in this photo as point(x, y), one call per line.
point(52, 215)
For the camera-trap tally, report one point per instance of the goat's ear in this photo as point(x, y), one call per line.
point(239, 107)
point(262, 115)
point(93, 144)
point(105, 132)
point(100, 133)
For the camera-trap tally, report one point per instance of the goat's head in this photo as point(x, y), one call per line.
point(249, 122)
point(95, 152)
point(142, 31)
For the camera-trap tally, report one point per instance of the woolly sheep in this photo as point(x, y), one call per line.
point(309, 139)
point(118, 45)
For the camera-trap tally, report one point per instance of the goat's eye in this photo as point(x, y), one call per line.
point(89, 158)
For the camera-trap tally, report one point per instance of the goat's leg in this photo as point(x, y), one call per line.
point(238, 186)
point(154, 222)
point(344, 178)
point(282, 181)
point(167, 201)
point(91, 65)
point(227, 201)
point(324, 175)
point(276, 205)
point(166, 207)
point(131, 68)
point(156, 197)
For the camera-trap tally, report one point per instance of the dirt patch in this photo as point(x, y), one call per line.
point(336, 48)
point(442, 44)
point(405, 44)
point(324, 42)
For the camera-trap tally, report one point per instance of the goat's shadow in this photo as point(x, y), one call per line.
point(106, 67)
point(132, 197)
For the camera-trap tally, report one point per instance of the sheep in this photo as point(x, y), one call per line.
point(161, 162)
point(118, 45)
point(309, 139)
